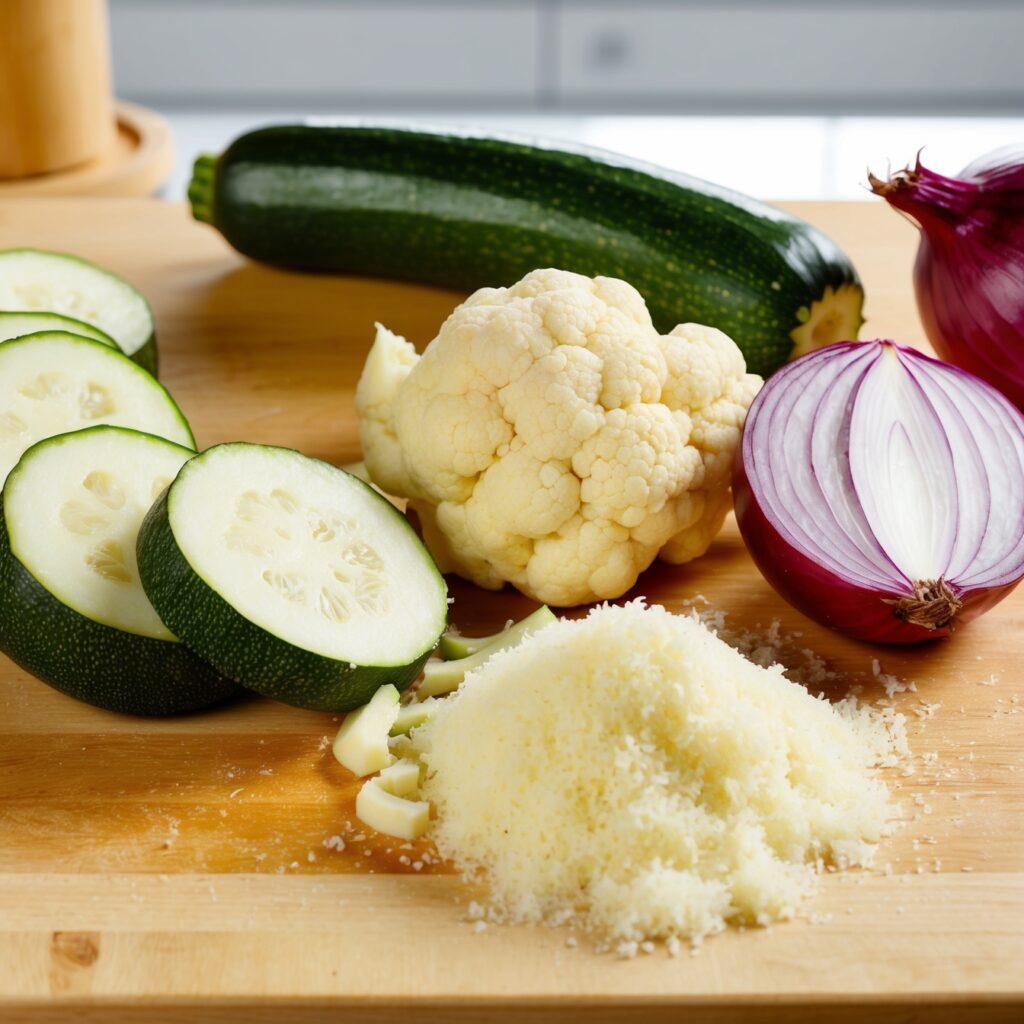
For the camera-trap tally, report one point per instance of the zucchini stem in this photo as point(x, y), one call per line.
point(200, 189)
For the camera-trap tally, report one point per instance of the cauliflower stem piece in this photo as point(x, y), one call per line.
point(550, 438)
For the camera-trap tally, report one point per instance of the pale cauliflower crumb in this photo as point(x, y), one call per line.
point(720, 803)
point(549, 436)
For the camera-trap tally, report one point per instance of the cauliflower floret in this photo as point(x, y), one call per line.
point(549, 437)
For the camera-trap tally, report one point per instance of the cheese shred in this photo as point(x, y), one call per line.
point(633, 775)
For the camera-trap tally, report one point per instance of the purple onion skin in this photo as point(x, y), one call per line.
point(826, 598)
point(969, 272)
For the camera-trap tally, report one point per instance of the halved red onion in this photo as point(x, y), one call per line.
point(881, 491)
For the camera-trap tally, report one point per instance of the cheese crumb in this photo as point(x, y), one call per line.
point(632, 774)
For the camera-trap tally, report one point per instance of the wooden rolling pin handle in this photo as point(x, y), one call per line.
point(56, 101)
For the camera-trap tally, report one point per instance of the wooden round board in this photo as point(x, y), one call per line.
point(137, 164)
point(185, 869)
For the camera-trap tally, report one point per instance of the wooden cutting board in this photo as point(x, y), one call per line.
point(177, 870)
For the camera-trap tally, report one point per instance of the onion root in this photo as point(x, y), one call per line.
point(933, 606)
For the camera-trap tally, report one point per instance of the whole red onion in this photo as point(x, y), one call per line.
point(969, 274)
point(881, 491)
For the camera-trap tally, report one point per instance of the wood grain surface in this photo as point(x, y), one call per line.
point(177, 870)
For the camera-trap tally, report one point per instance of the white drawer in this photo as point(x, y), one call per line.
point(228, 50)
point(806, 53)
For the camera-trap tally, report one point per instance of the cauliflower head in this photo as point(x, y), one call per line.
point(549, 437)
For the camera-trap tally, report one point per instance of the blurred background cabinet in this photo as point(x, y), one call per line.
point(898, 56)
point(326, 53)
point(778, 98)
point(803, 55)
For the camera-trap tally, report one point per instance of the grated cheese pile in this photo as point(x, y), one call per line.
point(632, 774)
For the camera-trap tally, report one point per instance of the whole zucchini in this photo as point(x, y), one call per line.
point(465, 211)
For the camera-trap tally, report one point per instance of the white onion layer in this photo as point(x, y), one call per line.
point(890, 469)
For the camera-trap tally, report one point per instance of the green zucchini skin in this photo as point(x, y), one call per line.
point(192, 610)
point(44, 323)
point(98, 664)
point(148, 357)
point(471, 211)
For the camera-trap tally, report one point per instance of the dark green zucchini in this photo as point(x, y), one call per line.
point(468, 211)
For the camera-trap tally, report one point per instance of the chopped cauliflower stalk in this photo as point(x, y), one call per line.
point(549, 437)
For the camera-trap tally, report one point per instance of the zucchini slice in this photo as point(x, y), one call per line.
point(361, 745)
point(411, 716)
point(55, 282)
point(401, 778)
point(54, 382)
point(455, 645)
point(380, 807)
point(72, 608)
point(441, 677)
point(17, 325)
point(291, 576)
